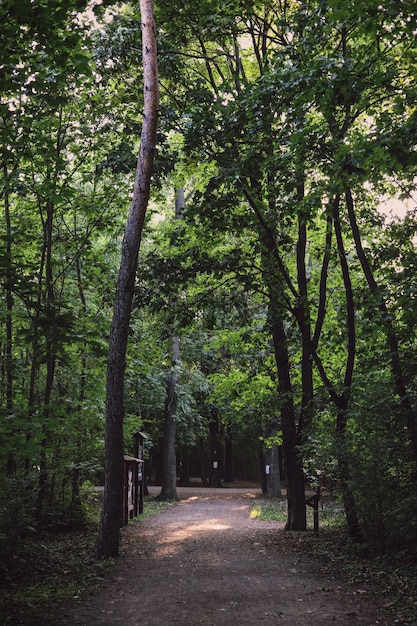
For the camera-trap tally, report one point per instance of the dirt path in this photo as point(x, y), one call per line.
point(205, 561)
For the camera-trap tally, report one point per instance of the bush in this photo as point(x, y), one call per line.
point(17, 500)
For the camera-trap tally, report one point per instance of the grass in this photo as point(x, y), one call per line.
point(275, 509)
point(269, 510)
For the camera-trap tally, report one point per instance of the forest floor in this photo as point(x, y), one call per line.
point(206, 560)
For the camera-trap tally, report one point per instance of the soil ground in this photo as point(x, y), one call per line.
point(204, 560)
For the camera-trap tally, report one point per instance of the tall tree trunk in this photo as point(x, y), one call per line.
point(76, 497)
point(321, 311)
point(277, 280)
point(9, 309)
point(169, 455)
point(302, 312)
point(228, 455)
point(215, 452)
point(50, 354)
point(293, 462)
point(387, 324)
point(343, 400)
point(273, 477)
point(50, 329)
point(108, 541)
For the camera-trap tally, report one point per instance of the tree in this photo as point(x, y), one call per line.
point(224, 102)
point(43, 158)
point(108, 543)
point(281, 107)
point(169, 457)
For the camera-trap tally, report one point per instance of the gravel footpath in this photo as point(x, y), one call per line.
point(204, 560)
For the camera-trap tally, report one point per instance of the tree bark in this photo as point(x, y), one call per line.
point(386, 321)
point(293, 462)
point(108, 541)
point(273, 479)
point(169, 452)
point(343, 400)
point(215, 452)
point(228, 455)
point(261, 465)
point(277, 278)
point(169, 456)
point(11, 465)
point(302, 312)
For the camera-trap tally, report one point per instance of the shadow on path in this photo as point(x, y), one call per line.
point(204, 560)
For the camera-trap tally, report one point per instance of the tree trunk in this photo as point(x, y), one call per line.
point(261, 466)
point(273, 479)
point(293, 463)
point(50, 354)
point(272, 469)
point(215, 453)
point(389, 329)
point(343, 400)
point(169, 456)
point(228, 455)
point(184, 470)
point(11, 466)
point(302, 312)
point(203, 468)
point(108, 541)
point(277, 278)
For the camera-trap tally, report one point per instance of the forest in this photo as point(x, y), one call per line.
point(273, 312)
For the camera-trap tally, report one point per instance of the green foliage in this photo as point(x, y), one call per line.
point(17, 498)
point(90, 500)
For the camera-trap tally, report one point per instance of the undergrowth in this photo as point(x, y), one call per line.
point(50, 567)
point(275, 509)
point(393, 575)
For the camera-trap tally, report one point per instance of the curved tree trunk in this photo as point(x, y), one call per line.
point(386, 322)
point(343, 400)
point(108, 541)
point(277, 279)
point(302, 312)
